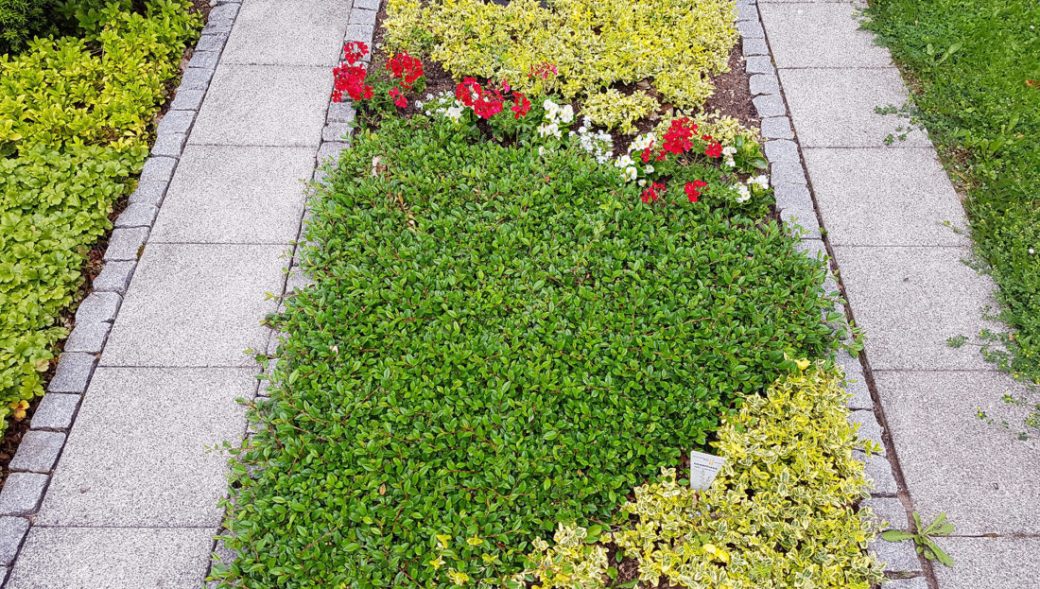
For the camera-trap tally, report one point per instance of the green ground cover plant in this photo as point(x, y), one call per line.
point(75, 121)
point(975, 70)
point(499, 338)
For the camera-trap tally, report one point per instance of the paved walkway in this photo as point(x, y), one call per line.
point(134, 499)
point(890, 214)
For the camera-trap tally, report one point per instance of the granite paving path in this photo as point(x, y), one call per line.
point(193, 268)
point(897, 234)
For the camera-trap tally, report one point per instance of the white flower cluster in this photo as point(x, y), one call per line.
point(444, 104)
point(555, 115)
point(628, 168)
point(642, 142)
point(744, 190)
point(728, 152)
point(598, 143)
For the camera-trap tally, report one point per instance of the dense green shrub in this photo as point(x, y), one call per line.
point(52, 206)
point(75, 118)
point(94, 91)
point(22, 20)
point(498, 340)
point(976, 68)
point(782, 512)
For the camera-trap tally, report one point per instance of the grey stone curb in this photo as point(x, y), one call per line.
point(794, 198)
point(42, 445)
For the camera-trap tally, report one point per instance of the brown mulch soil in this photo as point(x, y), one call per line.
point(15, 430)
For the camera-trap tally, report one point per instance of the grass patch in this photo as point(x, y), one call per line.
point(976, 68)
point(498, 340)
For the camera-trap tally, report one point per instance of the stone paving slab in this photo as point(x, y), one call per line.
point(990, 563)
point(836, 107)
point(302, 32)
point(146, 448)
point(112, 558)
point(264, 105)
point(903, 297)
point(984, 479)
point(820, 35)
point(197, 305)
point(235, 194)
point(885, 196)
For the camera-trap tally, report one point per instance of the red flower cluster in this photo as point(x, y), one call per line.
point(354, 51)
point(488, 102)
point(521, 105)
point(653, 192)
point(348, 77)
point(678, 139)
point(542, 70)
point(693, 189)
point(406, 68)
point(714, 148)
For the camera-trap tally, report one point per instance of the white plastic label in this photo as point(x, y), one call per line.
point(703, 468)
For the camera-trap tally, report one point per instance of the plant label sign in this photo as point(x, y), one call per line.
point(703, 468)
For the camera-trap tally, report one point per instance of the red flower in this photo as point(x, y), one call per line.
point(542, 70)
point(468, 91)
point(653, 192)
point(354, 51)
point(350, 79)
point(489, 104)
point(693, 189)
point(678, 139)
point(706, 137)
point(521, 105)
point(399, 99)
point(406, 68)
point(645, 156)
point(713, 150)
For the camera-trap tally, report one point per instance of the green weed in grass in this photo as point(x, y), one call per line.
point(497, 341)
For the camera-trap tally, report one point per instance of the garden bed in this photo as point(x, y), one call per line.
point(520, 321)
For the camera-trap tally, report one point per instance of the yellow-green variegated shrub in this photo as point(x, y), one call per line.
point(593, 44)
point(75, 120)
point(780, 515)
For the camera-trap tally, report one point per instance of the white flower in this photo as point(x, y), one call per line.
point(642, 182)
point(1032, 251)
point(567, 114)
point(762, 181)
point(541, 150)
point(550, 129)
point(642, 142)
point(630, 173)
point(429, 97)
point(454, 113)
point(729, 163)
point(648, 169)
point(550, 106)
point(744, 194)
point(418, 104)
point(729, 151)
point(624, 161)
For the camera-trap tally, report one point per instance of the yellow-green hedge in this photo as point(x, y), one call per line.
point(593, 44)
point(780, 515)
point(75, 120)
